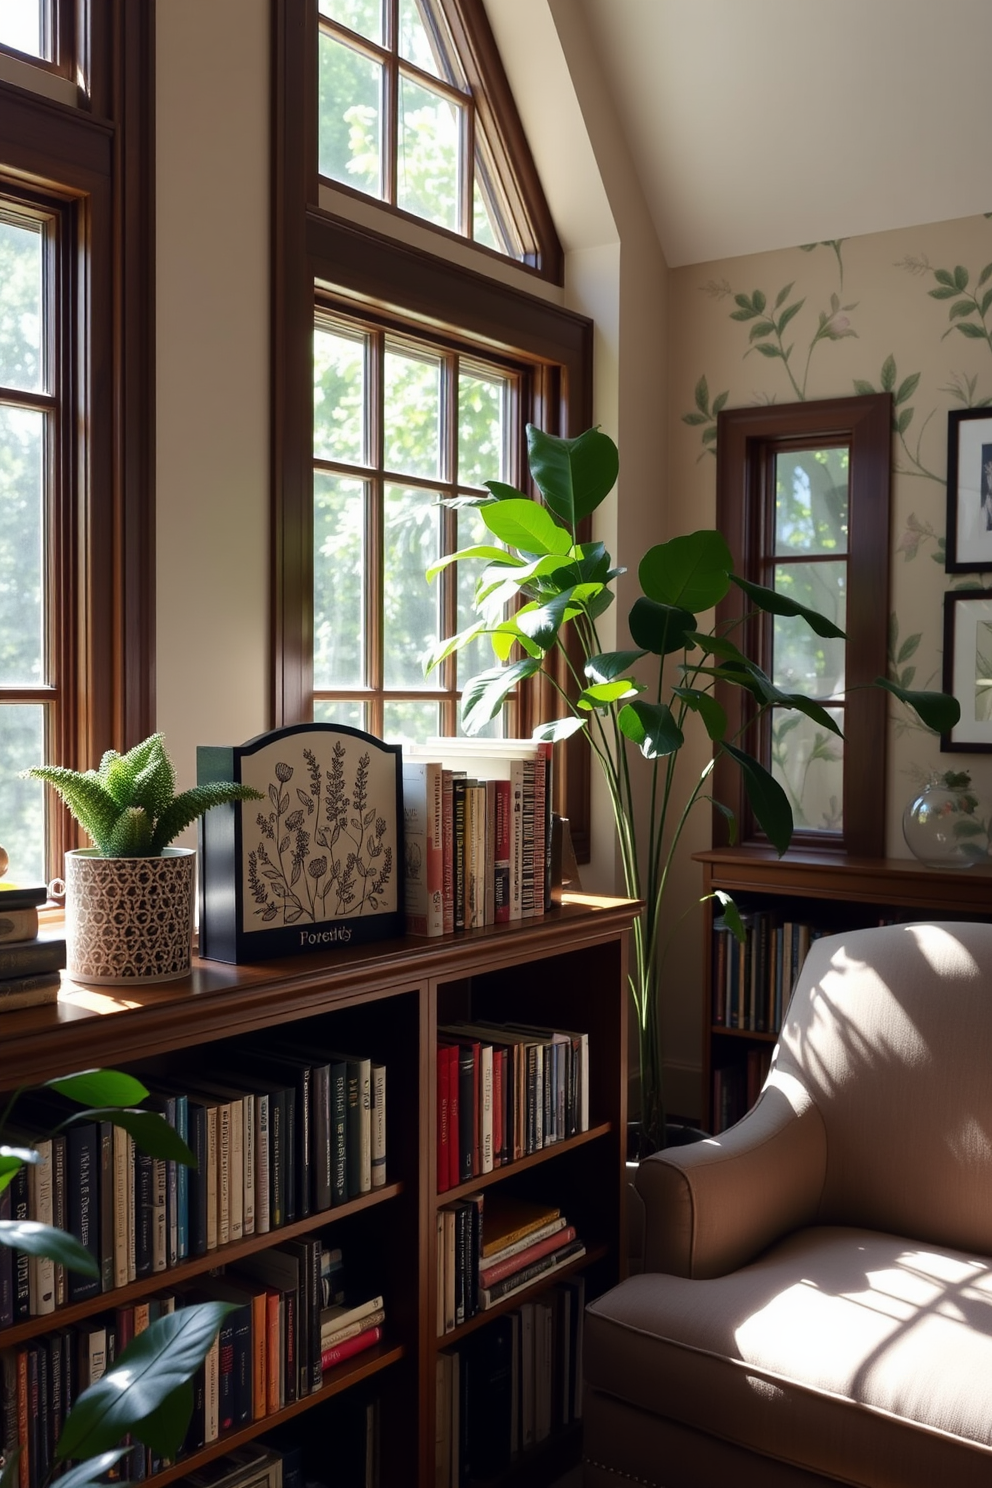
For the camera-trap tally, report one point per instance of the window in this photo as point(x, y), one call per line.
point(75, 585)
point(42, 32)
point(410, 112)
point(382, 464)
point(803, 500)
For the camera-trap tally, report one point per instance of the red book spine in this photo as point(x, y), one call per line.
point(443, 1120)
point(477, 1109)
point(523, 1258)
point(454, 1117)
point(342, 1351)
point(497, 1111)
point(23, 1462)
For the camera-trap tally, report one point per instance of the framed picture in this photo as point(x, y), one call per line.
point(969, 490)
point(317, 862)
point(968, 667)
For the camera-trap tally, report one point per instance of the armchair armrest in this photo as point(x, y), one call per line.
point(713, 1206)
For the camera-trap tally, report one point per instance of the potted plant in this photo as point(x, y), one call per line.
point(633, 705)
point(129, 898)
point(146, 1393)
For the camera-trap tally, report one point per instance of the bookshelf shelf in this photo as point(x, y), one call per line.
point(566, 969)
point(832, 892)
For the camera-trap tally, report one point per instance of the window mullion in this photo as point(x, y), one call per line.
point(374, 530)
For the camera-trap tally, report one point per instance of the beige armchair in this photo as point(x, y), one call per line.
point(816, 1304)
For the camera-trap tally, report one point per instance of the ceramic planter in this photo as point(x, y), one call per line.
point(128, 919)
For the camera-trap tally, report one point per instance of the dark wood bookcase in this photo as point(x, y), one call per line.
point(833, 892)
point(567, 969)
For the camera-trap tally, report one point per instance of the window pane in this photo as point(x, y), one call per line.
point(478, 655)
point(22, 25)
point(339, 397)
point(350, 143)
point(422, 43)
point(22, 802)
point(483, 226)
point(22, 442)
point(330, 710)
point(338, 581)
point(412, 414)
point(409, 722)
point(803, 661)
point(808, 762)
point(481, 428)
point(412, 540)
point(21, 326)
point(811, 501)
point(427, 174)
point(362, 16)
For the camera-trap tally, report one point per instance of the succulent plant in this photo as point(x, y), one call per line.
point(129, 805)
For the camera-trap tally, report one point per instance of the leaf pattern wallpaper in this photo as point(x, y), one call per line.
point(908, 312)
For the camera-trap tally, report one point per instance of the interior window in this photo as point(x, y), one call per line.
point(25, 26)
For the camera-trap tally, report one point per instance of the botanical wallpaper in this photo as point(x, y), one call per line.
point(908, 311)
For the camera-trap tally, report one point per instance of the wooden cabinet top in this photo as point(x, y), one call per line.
point(901, 882)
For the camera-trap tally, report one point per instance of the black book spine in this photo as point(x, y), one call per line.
point(197, 1195)
point(291, 1301)
point(44, 1459)
point(56, 1407)
point(320, 1127)
point(289, 1156)
point(106, 1206)
point(19, 1212)
point(339, 1133)
point(277, 1164)
point(227, 1372)
point(463, 1226)
point(6, 1267)
point(60, 1211)
point(314, 1302)
point(83, 1177)
point(458, 855)
point(194, 1440)
point(144, 1213)
point(304, 1138)
point(466, 1110)
point(34, 1418)
point(353, 1128)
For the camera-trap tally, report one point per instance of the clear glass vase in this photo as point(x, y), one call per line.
point(942, 825)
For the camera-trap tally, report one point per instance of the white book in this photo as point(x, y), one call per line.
point(41, 1269)
point(365, 1125)
point(131, 1212)
point(120, 1160)
point(439, 1274)
point(211, 1164)
point(262, 1189)
point(248, 1122)
point(237, 1175)
point(223, 1172)
point(486, 1107)
point(378, 1120)
point(449, 1270)
point(92, 1355)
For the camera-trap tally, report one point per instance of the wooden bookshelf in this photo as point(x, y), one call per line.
point(567, 969)
point(833, 892)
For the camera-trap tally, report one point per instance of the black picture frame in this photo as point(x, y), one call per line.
point(969, 490)
point(318, 862)
point(968, 668)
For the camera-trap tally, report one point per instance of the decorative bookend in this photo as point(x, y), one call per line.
point(318, 862)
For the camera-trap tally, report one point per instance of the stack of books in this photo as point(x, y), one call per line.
point(491, 1246)
point(30, 959)
point(505, 1090)
point(477, 833)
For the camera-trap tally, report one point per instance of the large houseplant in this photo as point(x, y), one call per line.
point(147, 1393)
point(129, 899)
point(633, 703)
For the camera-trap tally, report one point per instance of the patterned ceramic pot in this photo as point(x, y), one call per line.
point(128, 919)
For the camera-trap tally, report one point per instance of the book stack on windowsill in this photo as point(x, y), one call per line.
point(30, 958)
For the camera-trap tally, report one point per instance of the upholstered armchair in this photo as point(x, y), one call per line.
point(816, 1303)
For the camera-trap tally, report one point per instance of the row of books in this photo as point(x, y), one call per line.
point(753, 981)
point(271, 1351)
point(736, 1087)
point(279, 1459)
point(278, 1135)
point(505, 1090)
point(30, 958)
point(493, 1245)
point(477, 833)
point(509, 1386)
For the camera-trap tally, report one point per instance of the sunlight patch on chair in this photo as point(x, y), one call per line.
point(970, 1144)
point(941, 949)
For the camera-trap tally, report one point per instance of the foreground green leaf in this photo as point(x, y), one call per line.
point(151, 1132)
point(91, 1474)
point(483, 695)
point(774, 603)
point(938, 710)
point(527, 526)
point(768, 800)
point(691, 571)
point(99, 1087)
point(44, 1240)
point(731, 915)
point(660, 628)
point(573, 475)
point(558, 729)
point(652, 727)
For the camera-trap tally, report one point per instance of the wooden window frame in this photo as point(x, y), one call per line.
point(747, 441)
point(73, 161)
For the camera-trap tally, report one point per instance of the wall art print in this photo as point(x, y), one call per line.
point(318, 862)
point(969, 490)
point(968, 667)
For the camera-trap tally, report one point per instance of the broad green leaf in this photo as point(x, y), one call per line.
point(938, 710)
point(542, 624)
point(444, 648)
point(611, 664)
point(812, 709)
point(730, 817)
point(10, 1477)
point(659, 628)
point(558, 729)
point(573, 475)
point(508, 634)
point(131, 1395)
point(44, 1240)
point(691, 572)
point(527, 526)
point(602, 693)
point(482, 696)
point(740, 676)
point(100, 1087)
point(90, 1474)
point(151, 1132)
point(710, 711)
point(715, 645)
point(651, 727)
point(731, 915)
point(768, 800)
point(480, 550)
point(600, 604)
point(12, 1158)
point(774, 603)
point(503, 492)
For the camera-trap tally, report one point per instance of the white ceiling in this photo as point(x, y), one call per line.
point(761, 124)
